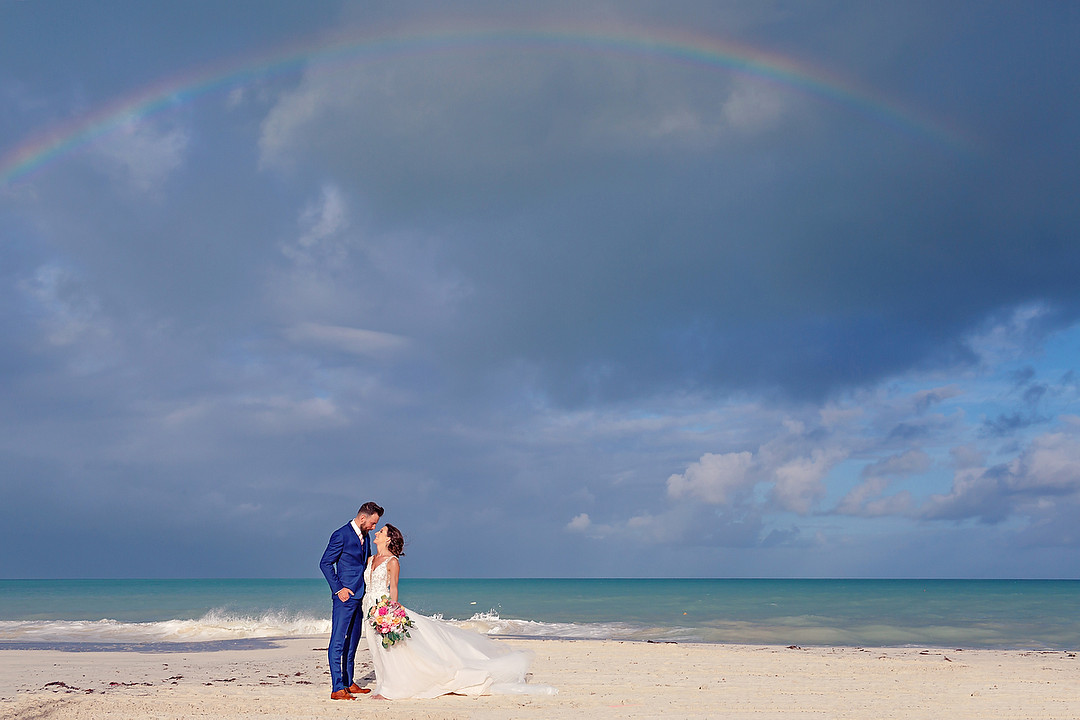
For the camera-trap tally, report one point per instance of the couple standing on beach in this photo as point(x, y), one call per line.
point(436, 659)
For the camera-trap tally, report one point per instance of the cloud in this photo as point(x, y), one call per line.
point(144, 154)
point(687, 525)
point(794, 467)
point(1051, 464)
point(798, 485)
point(1005, 425)
point(70, 322)
point(867, 499)
point(350, 287)
point(1033, 394)
point(356, 341)
point(925, 399)
point(790, 465)
point(583, 524)
point(1009, 333)
point(579, 523)
point(753, 106)
point(273, 414)
point(288, 415)
point(909, 462)
point(717, 479)
point(672, 302)
point(237, 96)
point(321, 223)
point(920, 428)
point(616, 219)
point(68, 311)
point(1047, 469)
point(498, 112)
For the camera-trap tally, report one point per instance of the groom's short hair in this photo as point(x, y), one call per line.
point(370, 508)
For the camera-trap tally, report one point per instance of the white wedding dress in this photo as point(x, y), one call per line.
point(439, 658)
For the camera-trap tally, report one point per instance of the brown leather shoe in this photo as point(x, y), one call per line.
point(357, 690)
point(342, 695)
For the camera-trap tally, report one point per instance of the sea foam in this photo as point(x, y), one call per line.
point(214, 625)
point(218, 625)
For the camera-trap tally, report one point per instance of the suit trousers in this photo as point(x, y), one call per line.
point(347, 622)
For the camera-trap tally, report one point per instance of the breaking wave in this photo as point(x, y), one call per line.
point(218, 626)
point(212, 626)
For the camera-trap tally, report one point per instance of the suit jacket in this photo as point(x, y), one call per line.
point(344, 560)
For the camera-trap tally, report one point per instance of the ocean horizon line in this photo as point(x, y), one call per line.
point(567, 577)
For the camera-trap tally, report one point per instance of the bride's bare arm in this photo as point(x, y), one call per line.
point(393, 569)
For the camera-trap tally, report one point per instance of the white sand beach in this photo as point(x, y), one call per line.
point(596, 679)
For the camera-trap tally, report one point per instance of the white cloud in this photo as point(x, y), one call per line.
point(1051, 463)
point(341, 279)
point(975, 493)
point(579, 523)
point(321, 223)
point(753, 106)
point(798, 483)
point(678, 122)
point(582, 523)
point(67, 312)
point(717, 479)
point(1007, 337)
point(325, 218)
point(1047, 469)
point(290, 115)
point(356, 341)
point(794, 463)
point(236, 98)
point(866, 499)
point(143, 154)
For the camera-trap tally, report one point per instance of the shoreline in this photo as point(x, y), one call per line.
point(269, 642)
point(600, 678)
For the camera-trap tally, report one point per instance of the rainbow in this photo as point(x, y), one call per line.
point(661, 46)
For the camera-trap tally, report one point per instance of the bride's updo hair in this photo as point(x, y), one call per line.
point(396, 543)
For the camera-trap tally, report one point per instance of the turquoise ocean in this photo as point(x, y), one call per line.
point(1009, 614)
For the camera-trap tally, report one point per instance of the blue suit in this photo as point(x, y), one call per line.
point(343, 565)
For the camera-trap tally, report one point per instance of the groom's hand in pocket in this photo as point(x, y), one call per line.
point(344, 594)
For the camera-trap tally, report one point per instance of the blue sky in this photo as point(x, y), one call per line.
point(587, 289)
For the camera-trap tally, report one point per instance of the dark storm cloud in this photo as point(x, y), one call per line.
point(810, 251)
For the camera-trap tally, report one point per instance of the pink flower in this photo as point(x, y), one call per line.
point(389, 619)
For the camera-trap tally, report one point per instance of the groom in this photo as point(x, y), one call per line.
point(343, 564)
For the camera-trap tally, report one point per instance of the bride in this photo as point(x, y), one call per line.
point(437, 658)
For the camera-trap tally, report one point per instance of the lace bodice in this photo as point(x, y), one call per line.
point(376, 583)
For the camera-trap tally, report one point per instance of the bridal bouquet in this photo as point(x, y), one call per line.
point(389, 620)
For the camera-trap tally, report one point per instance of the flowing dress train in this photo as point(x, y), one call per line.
point(439, 658)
